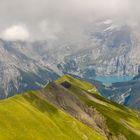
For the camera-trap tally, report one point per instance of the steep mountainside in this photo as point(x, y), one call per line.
point(20, 72)
point(31, 117)
point(112, 49)
point(67, 109)
point(126, 93)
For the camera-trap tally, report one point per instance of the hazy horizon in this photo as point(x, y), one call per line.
point(47, 19)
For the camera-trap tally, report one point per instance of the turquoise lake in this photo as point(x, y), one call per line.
point(113, 79)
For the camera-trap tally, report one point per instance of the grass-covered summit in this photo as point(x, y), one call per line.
point(67, 109)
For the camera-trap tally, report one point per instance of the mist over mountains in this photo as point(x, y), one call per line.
point(52, 18)
point(108, 48)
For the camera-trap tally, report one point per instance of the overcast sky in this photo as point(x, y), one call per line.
point(46, 19)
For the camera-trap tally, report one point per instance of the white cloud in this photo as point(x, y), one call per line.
point(15, 32)
point(53, 17)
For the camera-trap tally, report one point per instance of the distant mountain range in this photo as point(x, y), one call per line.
point(67, 109)
point(108, 48)
point(111, 48)
point(20, 70)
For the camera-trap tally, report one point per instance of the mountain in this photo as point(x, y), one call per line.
point(126, 93)
point(106, 48)
point(110, 48)
point(67, 109)
point(20, 70)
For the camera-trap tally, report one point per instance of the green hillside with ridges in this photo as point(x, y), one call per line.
point(67, 109)
point(119, 119)
point(78, 83)
point(28, 117)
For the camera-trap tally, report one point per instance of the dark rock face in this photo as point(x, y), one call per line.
point(66, 84)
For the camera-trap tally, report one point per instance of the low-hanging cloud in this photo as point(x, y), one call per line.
point(46, 19)
point(15, 32)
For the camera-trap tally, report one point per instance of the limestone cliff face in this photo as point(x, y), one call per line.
point(117, 66)
point(21, 69)
point(112, 49)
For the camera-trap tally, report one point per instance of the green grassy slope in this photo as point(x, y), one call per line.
point(120, 120)
point(45, 114)
point(28, 117)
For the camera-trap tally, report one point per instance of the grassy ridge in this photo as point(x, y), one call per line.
point(78, 83)
point(31, 117)
point(120, 120)
point(28, 117)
